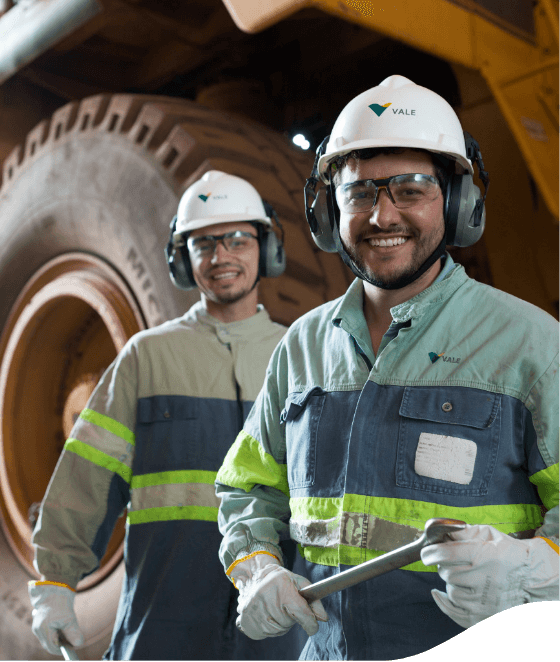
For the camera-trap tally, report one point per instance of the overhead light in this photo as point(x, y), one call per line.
point(301, 141)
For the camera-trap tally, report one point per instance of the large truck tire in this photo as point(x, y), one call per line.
point(85, 207)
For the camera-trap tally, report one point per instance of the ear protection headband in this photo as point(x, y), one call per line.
point(464, 211)
point(272, 257)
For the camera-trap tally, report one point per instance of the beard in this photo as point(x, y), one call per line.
point(399, 277)
point(227, 296)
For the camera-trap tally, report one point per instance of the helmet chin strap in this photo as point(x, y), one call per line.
point(437, 254)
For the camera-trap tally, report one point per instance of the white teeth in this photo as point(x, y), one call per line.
point(388, 242)
point(229, 274)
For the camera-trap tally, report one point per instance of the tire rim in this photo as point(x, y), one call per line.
point(67, 325)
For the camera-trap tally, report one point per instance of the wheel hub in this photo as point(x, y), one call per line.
point(66, 327)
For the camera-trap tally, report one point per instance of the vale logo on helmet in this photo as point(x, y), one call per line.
point(379, 110)
point(204, 198)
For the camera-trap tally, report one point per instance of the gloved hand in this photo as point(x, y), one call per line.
point(269, 601)
point(487, 571)
point(53, 610)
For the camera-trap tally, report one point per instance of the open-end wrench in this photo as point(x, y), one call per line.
point(436, 530)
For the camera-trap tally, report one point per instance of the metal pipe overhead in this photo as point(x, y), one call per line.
point(33, 26)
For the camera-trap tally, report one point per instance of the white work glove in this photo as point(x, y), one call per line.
point(269, 601)
point(53, 610)
point(487, 571)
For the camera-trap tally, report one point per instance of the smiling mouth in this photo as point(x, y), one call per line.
point(226, 275)
point(390, 241)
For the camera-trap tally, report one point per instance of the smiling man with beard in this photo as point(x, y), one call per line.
point(418, 394)
point(151, 439)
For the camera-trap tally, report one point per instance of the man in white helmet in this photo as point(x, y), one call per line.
point(418, 394)
point(151, 440)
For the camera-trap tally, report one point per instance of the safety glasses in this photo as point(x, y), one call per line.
point(233, 242)
point(404, 191)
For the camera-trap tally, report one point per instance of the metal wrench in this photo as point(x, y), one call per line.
point(68, 651)
point(436, 530)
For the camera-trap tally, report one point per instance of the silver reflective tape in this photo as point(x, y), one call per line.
point(316, 533)
point(174, 495)
point(104, 441)
point(353, 530)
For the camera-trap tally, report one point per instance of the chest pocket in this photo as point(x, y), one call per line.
point(301, 417)
point(448, 439)
point(168, 432)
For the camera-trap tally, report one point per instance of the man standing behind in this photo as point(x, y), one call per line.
point(152, 437)
point(418, 394)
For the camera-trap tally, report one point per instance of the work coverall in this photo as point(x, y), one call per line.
point(338, 451)
point(151, 440)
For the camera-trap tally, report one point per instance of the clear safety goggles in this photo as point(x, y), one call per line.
point(404, 191)
point(233, 242)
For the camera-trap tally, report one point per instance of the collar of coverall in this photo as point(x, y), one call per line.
point(451, 277)
point(250, 326)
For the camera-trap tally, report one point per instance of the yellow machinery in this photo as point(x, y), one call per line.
point(522, 74)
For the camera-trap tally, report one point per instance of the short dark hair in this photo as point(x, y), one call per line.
point(442, 165)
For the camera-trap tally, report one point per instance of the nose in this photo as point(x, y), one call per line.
point(384, 214)
point(220, 252)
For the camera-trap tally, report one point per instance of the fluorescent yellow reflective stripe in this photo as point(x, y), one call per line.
point(178, 493)
point(547, 485)
point(505, 517)
point(353, 556)
point(104, 441)
point(204, 513)
point(316, 507)
point(108, 424)
point(247, 464)
point(365, 522)
point(98, 457)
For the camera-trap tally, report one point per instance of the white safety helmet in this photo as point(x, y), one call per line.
point(397, 113)
point(222, 198)
point(218, 198)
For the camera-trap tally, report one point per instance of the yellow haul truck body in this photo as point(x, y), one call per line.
point(110, 108)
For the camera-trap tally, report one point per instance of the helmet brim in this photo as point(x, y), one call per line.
point(196, 224)
point(461, 163)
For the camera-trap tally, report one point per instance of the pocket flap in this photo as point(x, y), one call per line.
point(454, 405)
point(166, 408)
point(296, 403)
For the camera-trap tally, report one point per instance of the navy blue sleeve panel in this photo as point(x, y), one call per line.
point(117, 500)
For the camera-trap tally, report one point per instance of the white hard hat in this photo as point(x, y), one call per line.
point(218, 198)
point(397, 113)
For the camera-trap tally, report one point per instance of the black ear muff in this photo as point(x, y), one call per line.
point(272, 257)
point(464, 212)
point(323, 234)
point(466, 215)
point(317, 208)
point(272, 261)
point(178, 261)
